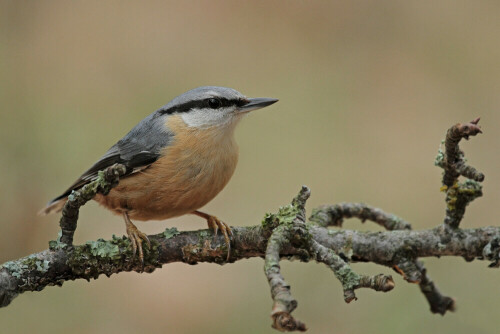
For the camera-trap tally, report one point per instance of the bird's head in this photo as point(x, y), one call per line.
point(210, 106)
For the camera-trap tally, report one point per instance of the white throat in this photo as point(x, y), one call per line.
point(201, 118)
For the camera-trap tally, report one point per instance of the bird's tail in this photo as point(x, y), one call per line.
point(53, 206)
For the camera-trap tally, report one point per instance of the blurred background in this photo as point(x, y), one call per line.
point(367, 91)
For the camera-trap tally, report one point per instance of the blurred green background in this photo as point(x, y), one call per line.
point(367, 90)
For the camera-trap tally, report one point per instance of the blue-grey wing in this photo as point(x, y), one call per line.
point(141, 147)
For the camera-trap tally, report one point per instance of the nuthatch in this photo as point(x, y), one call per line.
point(178, 159)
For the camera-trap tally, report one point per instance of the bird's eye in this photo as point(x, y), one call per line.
point(214, 103)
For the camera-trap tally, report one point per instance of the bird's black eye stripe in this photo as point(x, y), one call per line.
point(219, 102)
point(212, 103)
point(241, 102)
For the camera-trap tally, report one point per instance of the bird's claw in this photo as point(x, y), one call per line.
point(136, 238)
point(215, 224)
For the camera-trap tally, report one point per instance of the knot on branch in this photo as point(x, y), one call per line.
point(284, 322)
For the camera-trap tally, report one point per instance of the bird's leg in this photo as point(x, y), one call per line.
point(215, 224)
point(135, 237)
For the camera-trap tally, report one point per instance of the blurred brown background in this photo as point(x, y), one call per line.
point(367, 90)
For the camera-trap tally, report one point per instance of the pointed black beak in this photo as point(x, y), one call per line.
point(256, 103)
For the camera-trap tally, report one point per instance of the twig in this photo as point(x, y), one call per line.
point(334, 215)
point(106, 180)
point(286, 232)
point(438, 302)
point(454, 164)
point(347, 277)
point(284, 303)
point(458, 195)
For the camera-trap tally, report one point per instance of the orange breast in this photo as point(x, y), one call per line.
point(192, 171)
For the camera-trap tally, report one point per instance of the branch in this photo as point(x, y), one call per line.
point(412, 271)
point(56, 265)
point(283, 235)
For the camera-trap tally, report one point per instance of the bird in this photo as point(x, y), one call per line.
point(177, 160)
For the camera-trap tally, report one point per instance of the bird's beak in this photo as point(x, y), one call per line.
point(256, 103)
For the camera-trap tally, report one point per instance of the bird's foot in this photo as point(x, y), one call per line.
point(136, 238)
point(215, 224)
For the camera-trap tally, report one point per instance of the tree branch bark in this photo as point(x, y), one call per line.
point(284, 235)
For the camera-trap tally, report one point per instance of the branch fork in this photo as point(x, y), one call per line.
point(290, 229)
